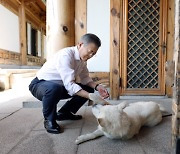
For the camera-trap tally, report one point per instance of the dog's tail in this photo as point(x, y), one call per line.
point(164, 112)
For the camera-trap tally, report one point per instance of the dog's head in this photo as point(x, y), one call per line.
point(112, 120)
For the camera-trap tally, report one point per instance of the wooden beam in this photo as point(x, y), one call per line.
point(22, 27)
point(163, 41)
point(100, 78)
point(34, 22)
point(115, 48)
point(10, 5)
point(42, 44)
point(42, 5)
point(80, 19)
point(39, 3)
point(34, 14)
point(34, 17)
point(170, 39)
point(29, 1)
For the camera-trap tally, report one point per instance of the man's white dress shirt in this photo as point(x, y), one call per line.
point(66, 65)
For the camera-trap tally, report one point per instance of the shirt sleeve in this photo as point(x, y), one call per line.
point(84, 75)
point(65, 68)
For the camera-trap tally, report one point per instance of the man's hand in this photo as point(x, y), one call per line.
point(102, 91)
point(97, 99)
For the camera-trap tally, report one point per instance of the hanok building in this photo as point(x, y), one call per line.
point(138, 38)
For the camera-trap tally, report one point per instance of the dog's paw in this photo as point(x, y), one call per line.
point(79, 139)
point(97, 99)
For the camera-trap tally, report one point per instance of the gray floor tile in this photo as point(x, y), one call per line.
point(41, 142)
point(16, 126)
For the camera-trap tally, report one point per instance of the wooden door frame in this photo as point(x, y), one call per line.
point(115, 17)
point(118, 30)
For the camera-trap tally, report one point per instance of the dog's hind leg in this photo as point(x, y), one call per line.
point(90, 136)
point(164, 112)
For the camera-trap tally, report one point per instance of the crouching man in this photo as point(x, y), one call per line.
point(56, 81)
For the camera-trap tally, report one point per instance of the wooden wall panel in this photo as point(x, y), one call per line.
point(8, 57)
point(33, 12)
point(32, 60)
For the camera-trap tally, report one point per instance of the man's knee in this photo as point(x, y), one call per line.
point(54, 90)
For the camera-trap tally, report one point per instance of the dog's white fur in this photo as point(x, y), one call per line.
point(124, 120)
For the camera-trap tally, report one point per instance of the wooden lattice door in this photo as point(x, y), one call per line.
point(143, 47)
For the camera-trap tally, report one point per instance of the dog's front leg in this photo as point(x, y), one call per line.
point(90, 136)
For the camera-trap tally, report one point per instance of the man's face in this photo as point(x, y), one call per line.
point(87, 51)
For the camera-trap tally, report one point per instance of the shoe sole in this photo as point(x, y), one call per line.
point(68, 119)
point(52, 132)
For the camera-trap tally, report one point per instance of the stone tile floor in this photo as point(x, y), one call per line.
point(22, 131)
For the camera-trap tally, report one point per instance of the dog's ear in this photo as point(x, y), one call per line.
point(122, 105)
point(101, 122)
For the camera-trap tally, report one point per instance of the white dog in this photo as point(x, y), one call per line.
point(123, 121)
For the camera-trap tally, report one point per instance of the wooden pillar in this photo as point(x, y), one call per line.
point(42, 46)
point(80, 19)
point(176, 88)
point(60, 26)
point(115, 48)
point(22, 30)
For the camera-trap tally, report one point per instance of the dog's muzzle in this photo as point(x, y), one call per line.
point(97, 105)
point(94, 105)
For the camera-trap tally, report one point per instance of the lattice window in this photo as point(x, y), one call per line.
point(143, 40)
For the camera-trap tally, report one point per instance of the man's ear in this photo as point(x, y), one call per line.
point(101, 122)
point(80, 44)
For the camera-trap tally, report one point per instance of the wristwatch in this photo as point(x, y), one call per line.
point(96, 87)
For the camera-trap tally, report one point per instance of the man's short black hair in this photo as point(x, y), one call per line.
point(90, 38)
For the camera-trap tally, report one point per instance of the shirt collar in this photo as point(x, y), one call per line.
point(77, 56)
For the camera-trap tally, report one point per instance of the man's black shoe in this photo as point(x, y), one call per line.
point(52, 127)
point(67, 116)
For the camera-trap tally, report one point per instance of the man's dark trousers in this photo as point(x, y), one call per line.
point(51, 92)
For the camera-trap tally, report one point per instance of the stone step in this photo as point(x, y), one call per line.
point(11, 71)
point(8, 75)
point(34, 103)
point(21, 80)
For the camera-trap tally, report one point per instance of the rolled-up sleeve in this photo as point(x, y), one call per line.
point(64, 65)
